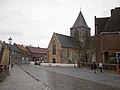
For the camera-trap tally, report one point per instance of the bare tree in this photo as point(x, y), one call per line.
point(86, 47)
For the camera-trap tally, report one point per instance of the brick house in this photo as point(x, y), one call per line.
point(25, 57)
point(107, 33)
point(38, 53)
point(63, 48)
point(16, 54)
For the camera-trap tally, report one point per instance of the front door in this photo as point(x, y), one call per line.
point(54, 61)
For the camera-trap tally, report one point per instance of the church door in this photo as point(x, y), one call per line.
point(54, 61)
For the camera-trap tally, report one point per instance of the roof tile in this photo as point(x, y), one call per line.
point(113, 23)
point(37, 49)
point(22, 48)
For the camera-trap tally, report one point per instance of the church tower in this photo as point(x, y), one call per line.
point(80, 28)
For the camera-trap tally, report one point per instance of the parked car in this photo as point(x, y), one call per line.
point(37, 62)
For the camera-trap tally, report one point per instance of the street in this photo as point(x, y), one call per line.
point(30, 77)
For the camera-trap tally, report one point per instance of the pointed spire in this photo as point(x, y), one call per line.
point(80, 21)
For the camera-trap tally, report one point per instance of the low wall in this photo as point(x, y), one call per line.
point(59, 64)
point(111, 67)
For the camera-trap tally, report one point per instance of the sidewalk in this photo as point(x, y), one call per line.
point(87, 74)
point(19, 80)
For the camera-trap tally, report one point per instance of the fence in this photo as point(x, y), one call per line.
point(111, 67)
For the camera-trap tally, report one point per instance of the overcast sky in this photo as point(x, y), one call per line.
point(32, 22)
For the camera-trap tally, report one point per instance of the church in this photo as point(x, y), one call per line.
point(63, 48)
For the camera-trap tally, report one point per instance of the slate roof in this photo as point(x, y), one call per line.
point(13, 47)
point(80, 21)
point(113, 23)
point(22, 48)
point(101, 22)
point(66, 41)
point(37, 49)
point(109, 24)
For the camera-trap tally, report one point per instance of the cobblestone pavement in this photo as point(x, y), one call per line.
point(30, 77)
point(57, 78)
point(87, 74)
point(19, 80)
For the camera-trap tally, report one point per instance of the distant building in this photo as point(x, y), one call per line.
point(16, 54)
point(107, 33)
point(63, 48)
point(25, 57)
point(38, 53)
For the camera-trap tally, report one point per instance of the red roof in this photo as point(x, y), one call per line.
point(37, 49)
point(21, 47)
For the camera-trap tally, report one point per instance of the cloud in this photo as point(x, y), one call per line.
point(34, 21)
point(2, 18)
point(10, 32)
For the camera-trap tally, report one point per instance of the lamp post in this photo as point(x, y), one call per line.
point(10, 41)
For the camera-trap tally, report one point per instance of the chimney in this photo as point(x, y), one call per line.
point(112, 11)
point(117, 8)
point(3, 41)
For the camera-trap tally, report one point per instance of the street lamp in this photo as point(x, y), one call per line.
point(10, 41)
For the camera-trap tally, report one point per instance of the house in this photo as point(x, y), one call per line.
point(16, 54)
point(4, 57)
point(107, 33)
point(25, 57)
point(63, 48)
point(38, 53)
point(1, 50)
point(4, 54)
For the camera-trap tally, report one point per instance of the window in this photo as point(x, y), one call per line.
point(76, 33)
point(54, 48)
point(68, 53)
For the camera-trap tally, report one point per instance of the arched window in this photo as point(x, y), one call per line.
point(54, 48)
